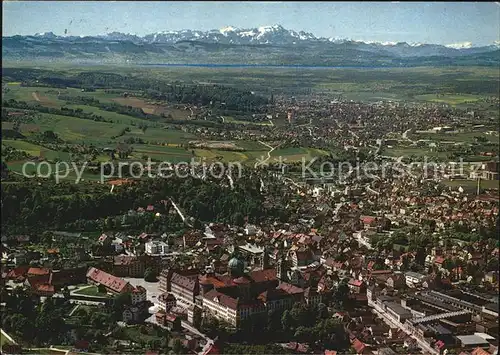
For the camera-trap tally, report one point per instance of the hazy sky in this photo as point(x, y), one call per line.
point(441, 23)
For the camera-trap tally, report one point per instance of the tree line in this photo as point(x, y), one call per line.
point(195, 94)
point(63, 111)
point(28, 206)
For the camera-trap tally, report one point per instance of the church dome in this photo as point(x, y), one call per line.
point(236, 266)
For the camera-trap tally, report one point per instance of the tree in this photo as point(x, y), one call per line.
point(238, 219)
point(322, 311)
point(101, 288)
point(150, 275)
point(286, 321)
point(303, 334)
point(342, 294)
point(273, 321)
point(119, 303)
point(177, 346)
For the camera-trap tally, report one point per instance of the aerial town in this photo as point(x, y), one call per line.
point(249, 190)
point(385, 264)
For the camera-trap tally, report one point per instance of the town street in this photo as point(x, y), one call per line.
point(392, 322)
point(188, 327)
point(152, 295)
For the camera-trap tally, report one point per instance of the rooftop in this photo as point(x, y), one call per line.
point(472, 340)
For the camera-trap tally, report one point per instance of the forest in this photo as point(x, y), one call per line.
point(30, 207)
point(195, 94)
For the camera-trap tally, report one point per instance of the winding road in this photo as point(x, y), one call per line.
point(263, 162)
point(180, 213)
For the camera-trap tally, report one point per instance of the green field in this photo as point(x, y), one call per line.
point(296, 154)
point(450, 99)
point(161, 141)
point(91, 291)
point(3, 340)
point(229, 119)
point(472, 184)
point(455, 137)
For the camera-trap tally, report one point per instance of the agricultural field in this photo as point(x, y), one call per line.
point(3, 340)
point(166, 141)
point(472, 184)
point(450, 99)
point(153, 108)
point(296, 154)
point(230, 119)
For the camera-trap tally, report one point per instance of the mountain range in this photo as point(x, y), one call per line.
point(266, 45)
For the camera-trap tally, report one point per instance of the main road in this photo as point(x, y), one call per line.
point(152, 295)
point(392, 322)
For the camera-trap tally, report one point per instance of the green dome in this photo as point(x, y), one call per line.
point(236, 266)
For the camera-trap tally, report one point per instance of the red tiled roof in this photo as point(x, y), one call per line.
point(120, 182)
point(212, 350)
point(138, 289)
point(357, 283)
point(241, 280)
point(207, 280)
point(38, 279)
point(358, 345)
point(370, 265)
point(110, 281)
point(263, 275)
point(303, 255)
point(170, 317)
point(438, 260)
point(38, 271)
point(20, 271)
point(185, 281)
point(479, 351)
point(45, 288)
point(367, 219)
point(439, 344)
point(124, 259)
point(223, 299)
point(289, 288)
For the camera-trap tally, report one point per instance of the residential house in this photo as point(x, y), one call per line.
point(156, 247)
point(167, 301)
point(414, 278)
point(138, 294)
point(171, 321)
point(113, 284)
point(357, 286)
point(136, 313)
point(398, 280)
point(491, 277)
point(360, 347)
point(301, 257)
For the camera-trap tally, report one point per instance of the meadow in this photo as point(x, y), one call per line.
point(168, 142)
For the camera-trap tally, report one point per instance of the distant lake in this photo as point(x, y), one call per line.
point(285, 66)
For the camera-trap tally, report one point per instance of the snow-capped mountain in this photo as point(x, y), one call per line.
point(264, 44)
point(47, 35)
point(460, 45)
point(276, 35)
